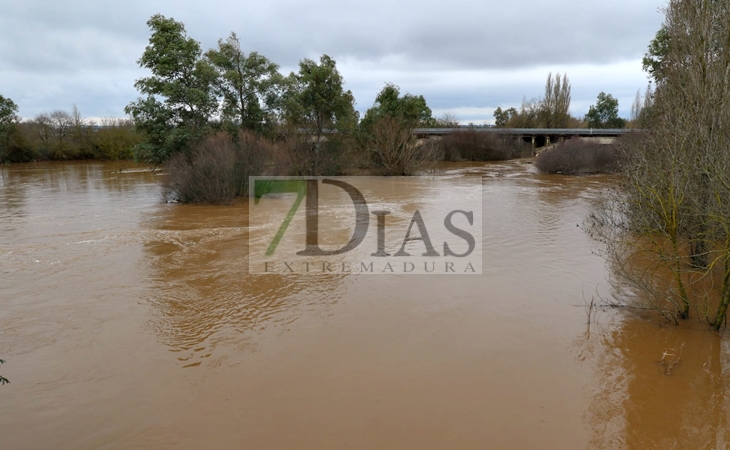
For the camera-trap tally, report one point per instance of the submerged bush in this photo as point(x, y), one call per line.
point(305, 154)
point(472, 145)
point(577, 156)
point(394, 150)
point(217, 169)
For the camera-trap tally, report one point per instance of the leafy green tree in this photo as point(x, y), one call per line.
point(316, 99)
point(654, 59)
point(316, 102)
point(503, 117)
point(180, 96)
point(604, 114)
point(8, 121)
point(412, 110)
point(250, 85)
point(387, 131)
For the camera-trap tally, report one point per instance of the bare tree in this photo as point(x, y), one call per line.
point(394, 148)
point(447, 120)
point(62, 123)
point(636, 108)
point(528, 116)
point(668, 228)
point(556, 103)
point(43, 129)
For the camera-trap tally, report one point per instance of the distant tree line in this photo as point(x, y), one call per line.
point(191, 94)
point(63, 135)
point(552, 110)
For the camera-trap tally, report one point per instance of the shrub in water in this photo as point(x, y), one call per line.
point(577, 156)
point(217, 170)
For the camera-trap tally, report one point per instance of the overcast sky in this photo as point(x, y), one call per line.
point(465, 57)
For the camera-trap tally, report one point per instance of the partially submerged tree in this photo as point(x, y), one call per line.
point(387, 131)
point(116, 139)
point(179, 96)
point(668, 228)
point(52, 131)
point(317, 104)
point(394, 149)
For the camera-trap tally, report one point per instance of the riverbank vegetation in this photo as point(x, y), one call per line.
point(63, 135)
point(200, 111)
point(667, 225)
point(472, 145)
point(306, 121)
point(218, 168)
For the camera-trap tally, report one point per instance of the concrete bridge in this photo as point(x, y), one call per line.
point(539, 137)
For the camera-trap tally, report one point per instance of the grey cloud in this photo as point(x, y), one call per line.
point(86, 52)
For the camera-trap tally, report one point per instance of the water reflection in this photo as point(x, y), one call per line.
point(656, 387)
point(204, 299)
point(12, 199)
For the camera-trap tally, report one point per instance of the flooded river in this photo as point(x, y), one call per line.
point(127, 322)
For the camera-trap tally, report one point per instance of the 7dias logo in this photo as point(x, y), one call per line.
point(368, 225)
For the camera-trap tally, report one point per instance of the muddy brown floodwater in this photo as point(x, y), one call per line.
point(130, 323)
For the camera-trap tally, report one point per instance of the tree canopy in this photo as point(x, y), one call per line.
point(604, 114)
point(8, 118)
point(503, 117)
point(556, 102)
point(180, 97)
point(8, 111)
point(316, 98)
point(653, 60)
point(409, 109)
point(249, 85)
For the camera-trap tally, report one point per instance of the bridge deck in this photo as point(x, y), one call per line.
point(529, 131)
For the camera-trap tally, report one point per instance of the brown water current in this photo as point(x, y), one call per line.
point(127, 322)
